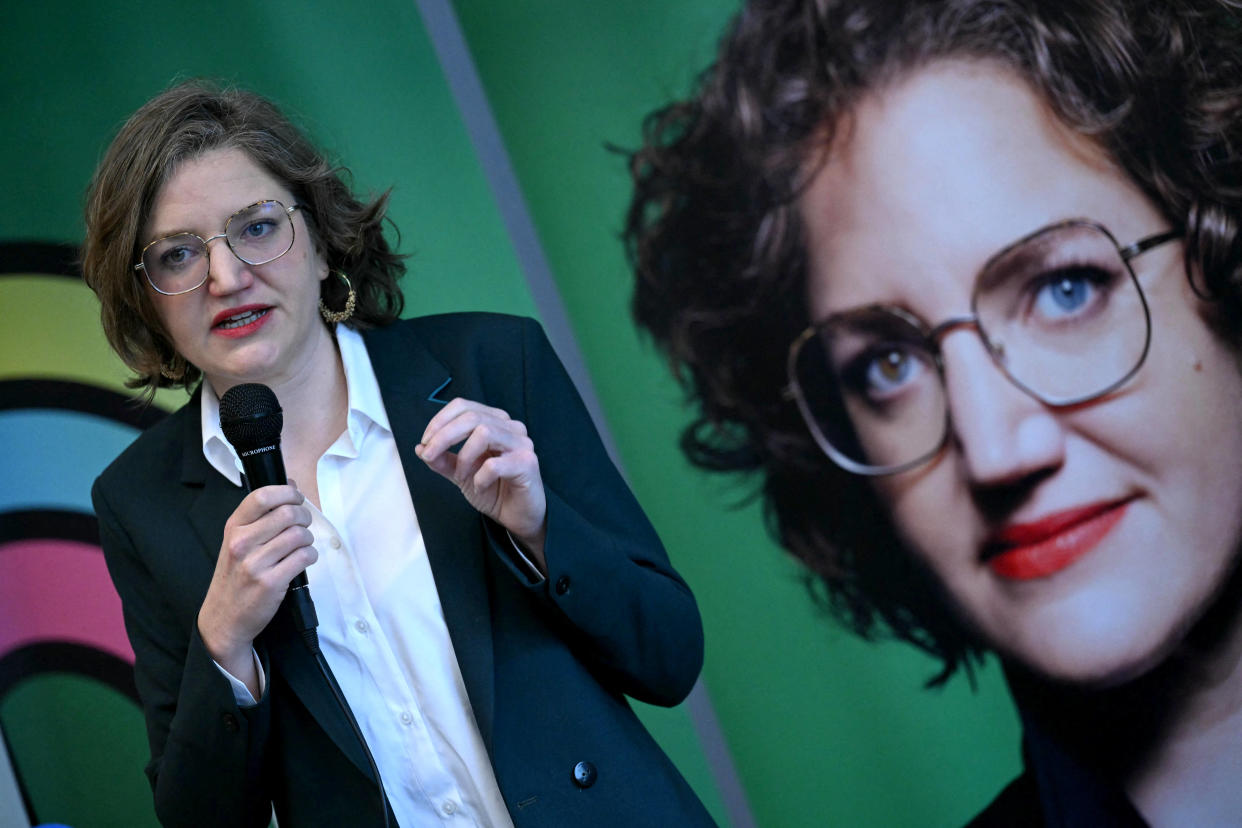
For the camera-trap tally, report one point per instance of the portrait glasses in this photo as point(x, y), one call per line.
point(1060, 312)
point(258, 234)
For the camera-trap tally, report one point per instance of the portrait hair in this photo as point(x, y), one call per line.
point(183, 123)
point(718, 248)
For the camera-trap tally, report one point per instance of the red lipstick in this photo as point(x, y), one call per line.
point(240, 321)
point(1026, 551)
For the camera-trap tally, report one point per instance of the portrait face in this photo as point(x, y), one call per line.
point(246, 323)
point(1079, 541)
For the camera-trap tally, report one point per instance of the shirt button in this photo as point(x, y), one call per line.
point(449, 806)
point(406, 718)
point(335, 543)
point(361, 626)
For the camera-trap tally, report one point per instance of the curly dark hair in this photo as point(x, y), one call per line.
point(714, 236)
point(181, 123)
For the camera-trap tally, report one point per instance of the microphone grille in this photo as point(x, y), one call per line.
point(250, 416)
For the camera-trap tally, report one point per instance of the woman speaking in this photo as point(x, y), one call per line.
point(487, 589)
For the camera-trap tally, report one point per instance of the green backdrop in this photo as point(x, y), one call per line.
point(819, 729)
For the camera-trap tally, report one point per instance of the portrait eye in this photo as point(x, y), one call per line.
point(1069, 293)
point(883, 371)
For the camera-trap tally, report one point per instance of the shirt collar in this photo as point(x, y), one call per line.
point(366, 407)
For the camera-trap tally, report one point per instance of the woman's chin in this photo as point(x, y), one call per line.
point(1094, 655)
point(1089, 671)
point(1092, 637)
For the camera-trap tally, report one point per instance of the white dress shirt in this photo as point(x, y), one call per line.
point(381, 626)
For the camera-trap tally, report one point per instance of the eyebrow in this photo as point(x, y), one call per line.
point(1026, 251)
point(157, 236)
point(164, 235)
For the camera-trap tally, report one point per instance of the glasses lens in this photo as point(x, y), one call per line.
point(1063, 314)
point(176, 264)
point(260, 233)
point(870, 390)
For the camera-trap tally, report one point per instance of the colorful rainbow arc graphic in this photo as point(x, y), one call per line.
point(69, 714)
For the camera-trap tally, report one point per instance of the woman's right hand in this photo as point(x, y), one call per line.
point(266, 543)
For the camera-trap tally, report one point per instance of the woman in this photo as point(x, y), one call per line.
point(960, 280)
point(486, 586)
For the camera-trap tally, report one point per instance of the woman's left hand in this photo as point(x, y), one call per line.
point(496, 467)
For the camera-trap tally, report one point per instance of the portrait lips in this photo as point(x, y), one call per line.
point(1027, 551)
point(239, 322)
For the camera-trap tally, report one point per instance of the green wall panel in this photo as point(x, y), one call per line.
point(362, 78)
point(79, 747)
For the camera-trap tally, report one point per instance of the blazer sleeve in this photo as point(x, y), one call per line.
point(615, 594)
point(206, 764)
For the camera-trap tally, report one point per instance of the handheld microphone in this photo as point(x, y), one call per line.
point(251, 419)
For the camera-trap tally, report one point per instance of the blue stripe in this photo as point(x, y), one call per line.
point(52, 457)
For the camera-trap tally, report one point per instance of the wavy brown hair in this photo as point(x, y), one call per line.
point(180, 124)
point(714, 236)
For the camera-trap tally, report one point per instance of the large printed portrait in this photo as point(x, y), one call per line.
point(959, 283)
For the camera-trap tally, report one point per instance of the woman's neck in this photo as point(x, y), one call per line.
point(315, 416)
point(1193, 776)
point(315, 400)
point(1171, 739)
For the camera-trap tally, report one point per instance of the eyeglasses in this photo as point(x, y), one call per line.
point(258, 234)
point(1060, 312)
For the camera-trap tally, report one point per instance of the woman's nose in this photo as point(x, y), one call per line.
point(226, 273)
point(1003, 434)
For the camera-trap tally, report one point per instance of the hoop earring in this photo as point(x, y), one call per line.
point(172, 370)
point(351, 300)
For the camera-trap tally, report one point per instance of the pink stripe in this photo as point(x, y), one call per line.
point(58, 590)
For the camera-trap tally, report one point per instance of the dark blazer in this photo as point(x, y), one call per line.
point(1057, 789)
point(546, 667)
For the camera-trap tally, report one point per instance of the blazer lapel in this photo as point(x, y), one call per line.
point(414, 386)
point(293, 663)
point(217, 497)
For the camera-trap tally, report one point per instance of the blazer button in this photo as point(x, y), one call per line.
point(585, 774)
point(562, 585)
point(230, 723)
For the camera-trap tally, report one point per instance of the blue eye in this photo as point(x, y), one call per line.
point(257, 229)
point(1070, 293)
point(1066, 294)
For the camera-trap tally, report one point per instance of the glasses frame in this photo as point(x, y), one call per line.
point(933, 334)
point(225, 235)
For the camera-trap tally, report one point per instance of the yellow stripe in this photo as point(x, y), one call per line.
point(51, 330)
